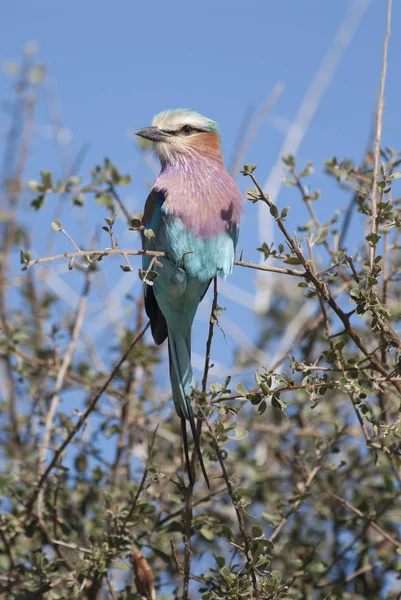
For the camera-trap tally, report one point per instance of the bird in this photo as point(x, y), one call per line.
point(192, 215)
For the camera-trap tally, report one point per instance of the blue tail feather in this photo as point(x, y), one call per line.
point(181, 385)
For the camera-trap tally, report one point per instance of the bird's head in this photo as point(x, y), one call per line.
point(181, 133)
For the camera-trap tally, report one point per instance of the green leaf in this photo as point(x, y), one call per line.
point(78, 200)
point(288, 181)
point(321, 235)
point(56, 225)
point(262, 407)
point(220, 560)
point(105, 199)
point(136, 223)
point(238, 433)
point(47, 179)
point(257, 531)
point(308, 170)
point(81, 463)
point(373, 239)
point(277, 403)
point(317, 567)
point(289, 160)
point(35, 186)
point(293, 260)
point(38, 202)
point(274, 211)
point(150, 277)
point(248, 169)
point(276, 576)
point(284, 213)
point(252, 195)
point(73, 180)
point(124, 180)
point(111, 221)
point(149, 233)
point(241, 389)
point(271, 519)
point(255, 399)
point(208, 534)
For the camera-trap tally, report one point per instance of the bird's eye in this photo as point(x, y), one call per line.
point(187, 129)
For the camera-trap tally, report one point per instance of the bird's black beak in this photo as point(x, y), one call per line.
point(154, 134)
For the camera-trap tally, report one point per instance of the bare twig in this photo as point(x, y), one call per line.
point(143, 480)
point(44, 447)
point(369, 520)
point(237, 508)
point(282, 270)
point(379, 126)
point(83, 418)
point(212, 321)
point(130, 384)
point(95, 254)
point(305, 488)
point(110, 588)
point(188, 515)
point(175, 558)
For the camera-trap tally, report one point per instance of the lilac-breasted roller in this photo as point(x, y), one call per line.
point(194, 210)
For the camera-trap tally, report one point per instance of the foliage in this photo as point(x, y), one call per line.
point(304, 460)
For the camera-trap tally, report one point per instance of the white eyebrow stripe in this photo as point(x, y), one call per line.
point(174, 122)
